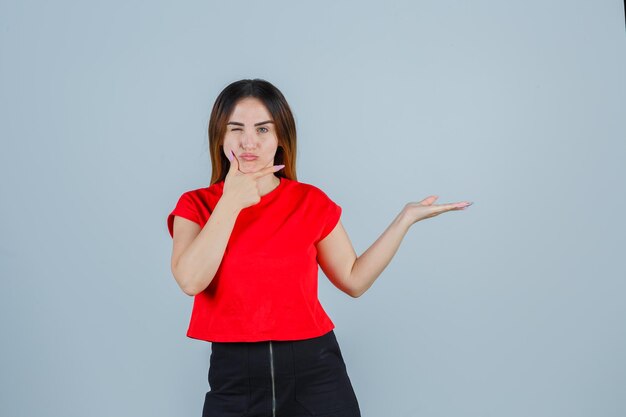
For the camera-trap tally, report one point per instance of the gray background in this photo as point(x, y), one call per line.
point(514, 307)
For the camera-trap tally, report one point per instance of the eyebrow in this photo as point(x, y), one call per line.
point(256, 124)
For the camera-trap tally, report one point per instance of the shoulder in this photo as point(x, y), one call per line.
point(204, 194)
point(303, 187)
point(309, 191)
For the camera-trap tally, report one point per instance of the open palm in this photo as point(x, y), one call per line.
point(425, 209)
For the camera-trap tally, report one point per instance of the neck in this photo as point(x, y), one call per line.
point(268, 184)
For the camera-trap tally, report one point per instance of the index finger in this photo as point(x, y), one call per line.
point(457, 206)
point(267, 170)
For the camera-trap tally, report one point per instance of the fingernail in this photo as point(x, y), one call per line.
point(278, 167)
point(230, 155)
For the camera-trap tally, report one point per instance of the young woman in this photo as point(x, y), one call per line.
point(247, 248)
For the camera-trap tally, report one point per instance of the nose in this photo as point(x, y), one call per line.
point(248, 140)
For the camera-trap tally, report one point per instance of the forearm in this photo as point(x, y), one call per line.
point(198, 265)
point(375, 259)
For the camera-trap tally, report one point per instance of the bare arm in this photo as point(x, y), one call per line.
point(197, 253)
point(355, 275)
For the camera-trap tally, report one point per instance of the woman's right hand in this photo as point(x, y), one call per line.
point(241, 188)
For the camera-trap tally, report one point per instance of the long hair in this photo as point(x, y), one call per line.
point(276, 105)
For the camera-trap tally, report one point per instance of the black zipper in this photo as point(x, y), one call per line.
point(273, 388)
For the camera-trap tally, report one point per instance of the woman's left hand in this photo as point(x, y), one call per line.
point(425, 209)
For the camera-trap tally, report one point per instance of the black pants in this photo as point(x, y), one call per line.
point(297, 378)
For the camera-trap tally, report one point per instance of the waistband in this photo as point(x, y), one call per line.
point(286, 357)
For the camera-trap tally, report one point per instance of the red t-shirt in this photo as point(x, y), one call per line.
point(266, 285)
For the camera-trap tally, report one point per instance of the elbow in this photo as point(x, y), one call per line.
point(185, 284)
point(187, 288)
point(194, 286)
point(190, 287)
point(189, 291)
point(355, 292)
point(348, 287)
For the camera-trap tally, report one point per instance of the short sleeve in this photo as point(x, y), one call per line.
point(332, 213)
point(184, 208)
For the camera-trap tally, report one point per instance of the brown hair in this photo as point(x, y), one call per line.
point(278, 108)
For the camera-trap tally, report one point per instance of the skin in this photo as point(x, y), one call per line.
point(355, 275)
point(259, 140)
point(197, 252)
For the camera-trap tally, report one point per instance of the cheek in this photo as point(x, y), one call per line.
point(273, 143)
point(229, 142)
point(270, 150)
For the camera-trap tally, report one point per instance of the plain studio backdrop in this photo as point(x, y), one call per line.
point(513, 307)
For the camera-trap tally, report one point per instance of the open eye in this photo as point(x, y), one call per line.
point(266, 129)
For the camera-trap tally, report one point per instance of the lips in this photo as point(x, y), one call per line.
point(248, 157)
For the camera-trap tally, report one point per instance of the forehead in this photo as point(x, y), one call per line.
point(250, 109)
